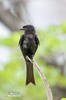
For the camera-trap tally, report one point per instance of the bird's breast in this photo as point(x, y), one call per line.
point(28, 41)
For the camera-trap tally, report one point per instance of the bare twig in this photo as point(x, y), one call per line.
point(48, 89)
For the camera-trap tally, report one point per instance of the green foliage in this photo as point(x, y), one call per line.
point(63, 99)
point(12, 40)
point(12, 78)
point(63, 27)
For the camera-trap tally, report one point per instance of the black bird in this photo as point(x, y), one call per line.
point(28, 45)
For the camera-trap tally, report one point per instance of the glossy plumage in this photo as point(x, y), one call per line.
point(28, 45)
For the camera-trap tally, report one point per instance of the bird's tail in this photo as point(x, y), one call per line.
point(30, 74)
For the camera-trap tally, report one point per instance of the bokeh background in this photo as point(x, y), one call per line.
point(49, 19)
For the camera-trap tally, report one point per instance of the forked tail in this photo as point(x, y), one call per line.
point(30, 74)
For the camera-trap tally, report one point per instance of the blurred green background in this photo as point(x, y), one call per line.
point(50, 56)
point(13, 75)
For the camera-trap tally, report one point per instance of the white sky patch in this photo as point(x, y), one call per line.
point(4, 56)
point(4, 31)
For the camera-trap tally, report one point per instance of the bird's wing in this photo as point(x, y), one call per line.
point(21, 40)
point(36, 40)
point(36, 44)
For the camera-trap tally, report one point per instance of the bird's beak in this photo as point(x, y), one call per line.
point(21, 29)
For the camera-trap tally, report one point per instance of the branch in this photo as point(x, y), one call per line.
point(8, 18)
point(48, 89)
point(14, 15)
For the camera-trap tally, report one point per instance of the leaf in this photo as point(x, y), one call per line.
point(63, 99)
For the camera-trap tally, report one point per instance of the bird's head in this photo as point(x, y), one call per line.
point(28, 29)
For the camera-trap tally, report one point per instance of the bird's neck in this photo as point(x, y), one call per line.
point(30, 32)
